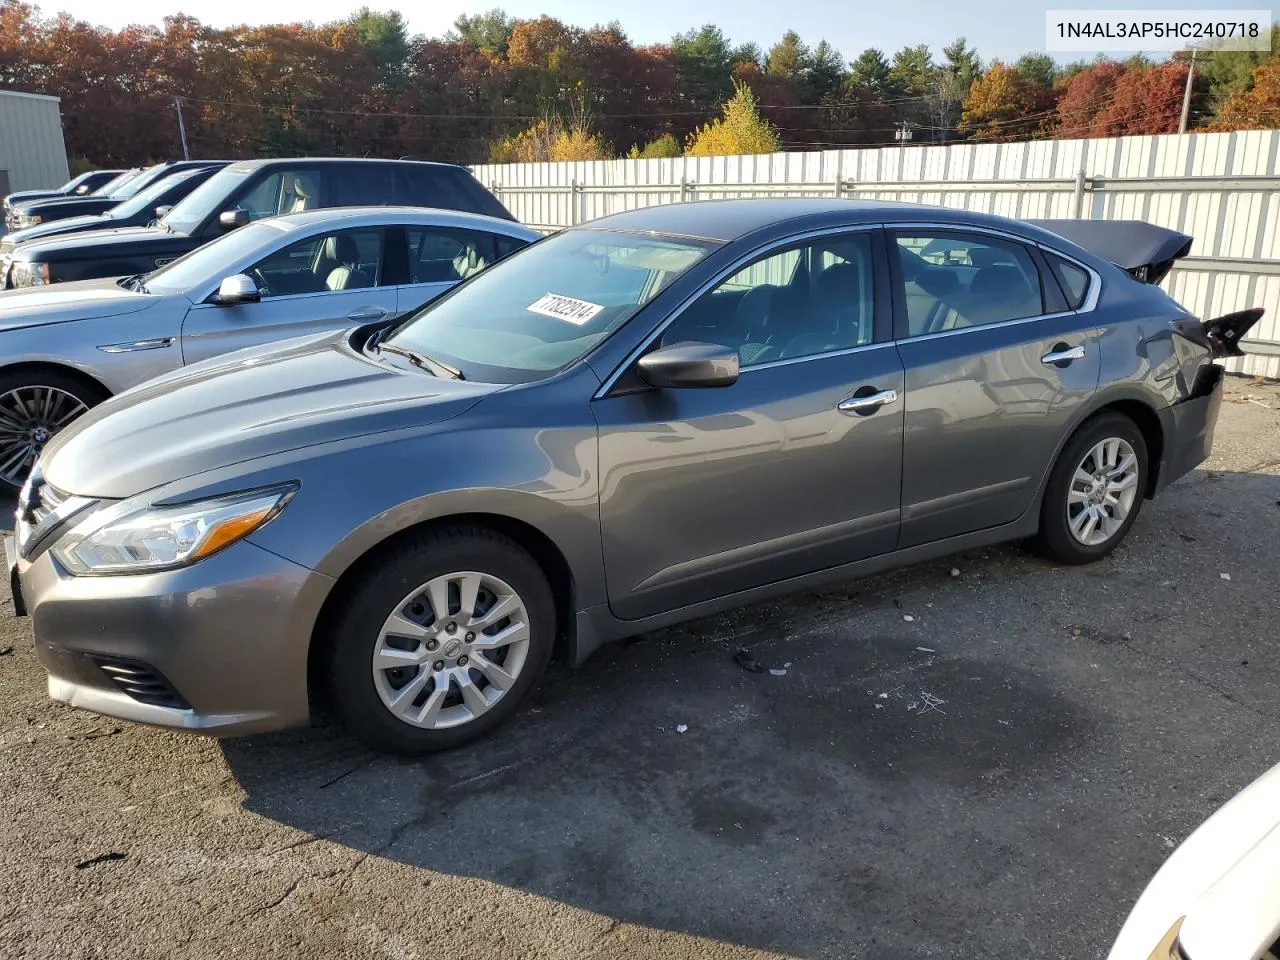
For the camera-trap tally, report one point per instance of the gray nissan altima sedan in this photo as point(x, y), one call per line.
point(652, 417)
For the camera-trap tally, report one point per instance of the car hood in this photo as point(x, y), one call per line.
point(249, 404)
point(61, 302)
point(69, 206)
point(1219, 885)
point(149, 240)
point(69, 225)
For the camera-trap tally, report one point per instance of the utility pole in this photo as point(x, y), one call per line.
point(1186, 94)
point(182, 129)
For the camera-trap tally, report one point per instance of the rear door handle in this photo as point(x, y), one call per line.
point(1061, 355)
point(867, 404)
point(367, 313)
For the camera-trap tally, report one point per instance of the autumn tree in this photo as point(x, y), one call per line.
point(1004, 105)
point(1145, 100)
point(1084, 95)
point(740, 130)
point(1256, 108)
point(664, 146)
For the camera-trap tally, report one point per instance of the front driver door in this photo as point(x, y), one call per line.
point(323, 282)
point(794, 468)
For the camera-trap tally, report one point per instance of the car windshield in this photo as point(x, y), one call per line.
point(109, 188)
point(546, 306)
point(210, 196)
point(214, 261)
point(148, 198)
point(135, 184)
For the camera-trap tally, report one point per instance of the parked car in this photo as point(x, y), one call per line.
point(79, 186)
point(1215, 898)
point(60, 208)
point(13, 201)
point(65, 349)
point(651, 417)
point(244, 192)
point(140, 210)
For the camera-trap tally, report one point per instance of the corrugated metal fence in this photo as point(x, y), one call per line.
point(1221, 188)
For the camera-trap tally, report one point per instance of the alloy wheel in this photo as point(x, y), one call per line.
point(1102, 491)
point(29, 417)
point(451, 649)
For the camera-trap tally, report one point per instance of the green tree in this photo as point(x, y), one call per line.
point(825, 74)
point(749, 52)
point(703, 60)
point(664, 146)
point(740, 130)
point(386, 37)
point(871, 72)
point(788, 57)
point(912, 70)
point(1037, 67)
point(488, 32)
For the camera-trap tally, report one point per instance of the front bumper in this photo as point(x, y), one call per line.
point(228, 637)
point(1188, 428)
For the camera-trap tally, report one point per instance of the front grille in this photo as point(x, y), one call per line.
point(41, 502)
point(142, 681)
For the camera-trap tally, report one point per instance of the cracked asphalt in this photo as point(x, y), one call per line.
point(997, 775)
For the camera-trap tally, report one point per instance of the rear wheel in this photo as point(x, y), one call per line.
point(34, 405)
point(440, 642)
point(1095, 491)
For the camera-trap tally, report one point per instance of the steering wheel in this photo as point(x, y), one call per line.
point(260, 281)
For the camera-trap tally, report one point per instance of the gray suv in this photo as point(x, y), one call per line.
point(649, 418)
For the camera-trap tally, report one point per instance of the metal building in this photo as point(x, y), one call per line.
point(32, 153)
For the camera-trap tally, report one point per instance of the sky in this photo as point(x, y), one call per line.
point(1005, 29)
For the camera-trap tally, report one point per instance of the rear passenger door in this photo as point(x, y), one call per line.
point(439, 257)
point(327, 281)
point(997, 367)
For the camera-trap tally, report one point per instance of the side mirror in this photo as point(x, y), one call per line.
point(230, 219)
point(161, 211)
point(690, 365)
point(237, 289)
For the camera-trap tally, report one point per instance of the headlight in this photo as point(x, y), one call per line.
point(29, 273)
point(135, 537)
point(29, 219)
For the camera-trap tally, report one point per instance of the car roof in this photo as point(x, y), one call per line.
point(325, 161)
point(728, 220)
point(377, 215)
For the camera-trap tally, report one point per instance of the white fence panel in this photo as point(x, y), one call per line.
point(1220, 188)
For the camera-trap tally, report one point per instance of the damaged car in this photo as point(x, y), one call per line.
point(648, 418)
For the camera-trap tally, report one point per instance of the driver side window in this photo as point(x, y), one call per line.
point(803, 301)
point(331, 262)
point(287, 191)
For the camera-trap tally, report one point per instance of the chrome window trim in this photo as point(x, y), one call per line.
point(1094, 293)
point(716, 279)
point(989, 326)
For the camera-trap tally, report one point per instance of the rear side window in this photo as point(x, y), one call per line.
point(957, 280)
point(1073, 280)
point(438, 255)
point(444, 187)
point(361, 185)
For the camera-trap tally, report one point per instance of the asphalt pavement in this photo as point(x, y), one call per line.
point(986, 756)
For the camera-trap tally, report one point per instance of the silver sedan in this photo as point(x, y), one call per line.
point(67, 347)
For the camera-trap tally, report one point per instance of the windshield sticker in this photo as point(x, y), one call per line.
point(564, 308)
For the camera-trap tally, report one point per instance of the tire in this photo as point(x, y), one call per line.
point(1056, 539)
point(426, 720)
point(34, 405)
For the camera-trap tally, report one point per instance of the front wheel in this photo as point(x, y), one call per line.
point(1095, 491)
point(440, 641)
point(34, 405)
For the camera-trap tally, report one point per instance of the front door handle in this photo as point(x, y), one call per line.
point(367, 313)
point(1061, 355)
point(867, 404)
